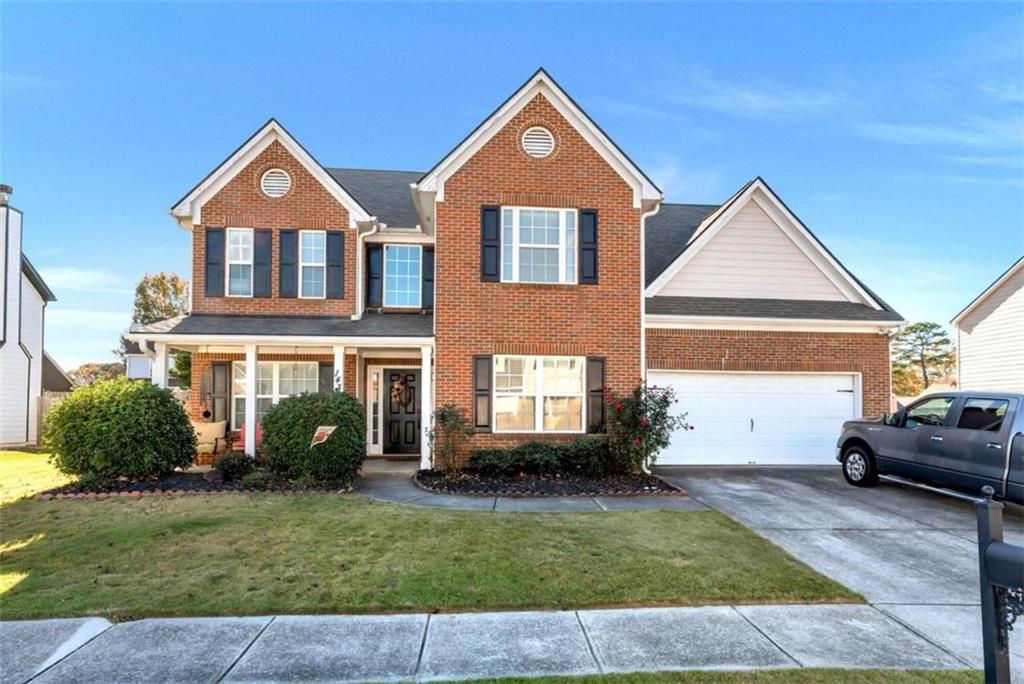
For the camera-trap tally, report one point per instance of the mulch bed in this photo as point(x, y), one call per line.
point(179, 484)
point(466, 483)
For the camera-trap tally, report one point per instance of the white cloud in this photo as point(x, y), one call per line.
point(975, 132)
point(85, 280)
point(25, 82)
point(1011, 92)
point(698, 88)
point(1009, 161)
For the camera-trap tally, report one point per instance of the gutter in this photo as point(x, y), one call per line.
point(360, 262)
point(643, 298)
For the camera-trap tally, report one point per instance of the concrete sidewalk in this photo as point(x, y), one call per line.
point(462, 645)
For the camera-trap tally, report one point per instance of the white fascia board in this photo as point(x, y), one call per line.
point(282, 340)
point(188, 211)
point(654, 321)
point(1010, 272)
point(762, 195)
point(644, 192)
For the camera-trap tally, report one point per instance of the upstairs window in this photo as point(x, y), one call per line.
point(538, 245)
point(312, 263)
point(239, 262)
point(403, 276)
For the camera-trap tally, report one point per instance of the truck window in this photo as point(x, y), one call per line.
point(983, 414)
point(931, 411)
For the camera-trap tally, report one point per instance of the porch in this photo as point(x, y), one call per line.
point(238, 383)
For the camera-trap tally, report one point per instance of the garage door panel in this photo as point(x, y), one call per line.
point(796, 417)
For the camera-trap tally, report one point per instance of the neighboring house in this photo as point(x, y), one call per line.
point(990, 336)
point(530, 267)
point(24, 296)
point(54, 377)
point(137, 364)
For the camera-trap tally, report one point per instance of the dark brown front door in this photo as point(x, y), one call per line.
point(402, 416)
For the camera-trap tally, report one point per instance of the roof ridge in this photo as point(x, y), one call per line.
point(355, 168)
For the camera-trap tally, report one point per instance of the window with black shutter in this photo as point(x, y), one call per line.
point(335, 264)
point(428, 278)
point(287, 265)
point(482, 393)
point(490, 244)
point(261, 249)
point(588, 246)
point(595, 394)
point(374, 276)
point(213, 273)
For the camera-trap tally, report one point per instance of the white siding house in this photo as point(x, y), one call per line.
point(24, 296)
point(990, 336)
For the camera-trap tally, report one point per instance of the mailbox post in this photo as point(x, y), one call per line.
point(1001, 568)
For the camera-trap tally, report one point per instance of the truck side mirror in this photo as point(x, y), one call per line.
point(892, 419)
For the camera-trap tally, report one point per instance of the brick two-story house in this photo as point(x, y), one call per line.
point(530, 267)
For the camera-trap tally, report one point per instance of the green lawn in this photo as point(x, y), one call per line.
point(269, 553)
point(24, 473)
point(804, 676)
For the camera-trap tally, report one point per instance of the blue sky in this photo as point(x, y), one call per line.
point(894, 131)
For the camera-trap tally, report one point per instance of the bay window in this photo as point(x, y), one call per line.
point(538, 393)
point(538, 245)
point(239, 262)
point(403, 280)
point(312, 263)
point(274, 381)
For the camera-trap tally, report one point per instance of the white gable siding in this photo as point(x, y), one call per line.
point(14, 365)
point(752, 257)
point(32, 340)
point(991, 340)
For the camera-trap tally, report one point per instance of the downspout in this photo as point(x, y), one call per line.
point(360, 261)
point(643, 298)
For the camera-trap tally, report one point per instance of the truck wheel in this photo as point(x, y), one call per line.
point(859, 467)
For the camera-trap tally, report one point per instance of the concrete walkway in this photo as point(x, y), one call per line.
point(461, 646)
point(392, 481)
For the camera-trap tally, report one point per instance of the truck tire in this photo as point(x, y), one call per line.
point(859, 466)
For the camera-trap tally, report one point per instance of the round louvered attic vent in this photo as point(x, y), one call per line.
point(538, 142)
point(275, 183)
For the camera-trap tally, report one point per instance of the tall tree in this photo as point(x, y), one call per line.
point(89, 373)
point(924, 347)
point(157, 297)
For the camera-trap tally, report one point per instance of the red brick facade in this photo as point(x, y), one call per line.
point(781, 352)
point(474, 317)
point(241, 204)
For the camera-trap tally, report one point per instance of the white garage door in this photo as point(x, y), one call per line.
point(757, 418)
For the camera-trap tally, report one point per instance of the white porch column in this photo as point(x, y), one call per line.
point(426, 404)
point(159, 375)
point(250, 399)
point(339, 368)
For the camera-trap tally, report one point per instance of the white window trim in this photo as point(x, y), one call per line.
point(228, 263)
point(562, 211)
point(322, 265)
point(384, 283)
point(275, 396)
point(538, 395)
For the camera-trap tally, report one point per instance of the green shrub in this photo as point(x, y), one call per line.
point(641, 424)
point(288, 430)
point(119, 428)
point(451, 430)
point(234, 465)
point(258, 479)
point(584, 457)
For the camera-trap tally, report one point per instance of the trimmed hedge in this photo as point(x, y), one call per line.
point(288, 430)
point(234, 465)
point(582, 457)
point(119, 428)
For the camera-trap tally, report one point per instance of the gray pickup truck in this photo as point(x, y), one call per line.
point(960, 440)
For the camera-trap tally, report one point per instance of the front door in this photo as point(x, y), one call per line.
point(402, 415)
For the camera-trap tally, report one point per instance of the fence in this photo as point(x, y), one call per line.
point(44, 402)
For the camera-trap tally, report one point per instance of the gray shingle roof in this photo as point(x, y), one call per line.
point(667, 232)
point(385, 194)
point(371, 325)
point(768, 308)
point(37, 280)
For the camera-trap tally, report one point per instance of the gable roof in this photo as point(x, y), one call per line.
point(37, 280)
point(667, 233)
point(813, 247)
point(996, 284)
point(188, 210)
point(541, 82)
point(54, 377)
point(385, 194)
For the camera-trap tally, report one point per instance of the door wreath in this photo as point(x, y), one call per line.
point(400, 392)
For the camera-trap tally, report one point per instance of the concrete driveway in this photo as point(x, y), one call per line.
point(912, 554)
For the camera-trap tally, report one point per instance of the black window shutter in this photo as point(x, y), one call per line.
point(335, 264)
point(287, 264)
point(213, 274)
point(588, 246)
point(490, 244)
point(261, 247)
point(221, 394)
point(427, 298)
point(374, 276)
point(325, 376)
point(482, 393)
point(595, 394)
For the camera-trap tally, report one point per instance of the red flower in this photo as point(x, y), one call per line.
point(618, 406)
point(637, 441)
point(644, 422)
